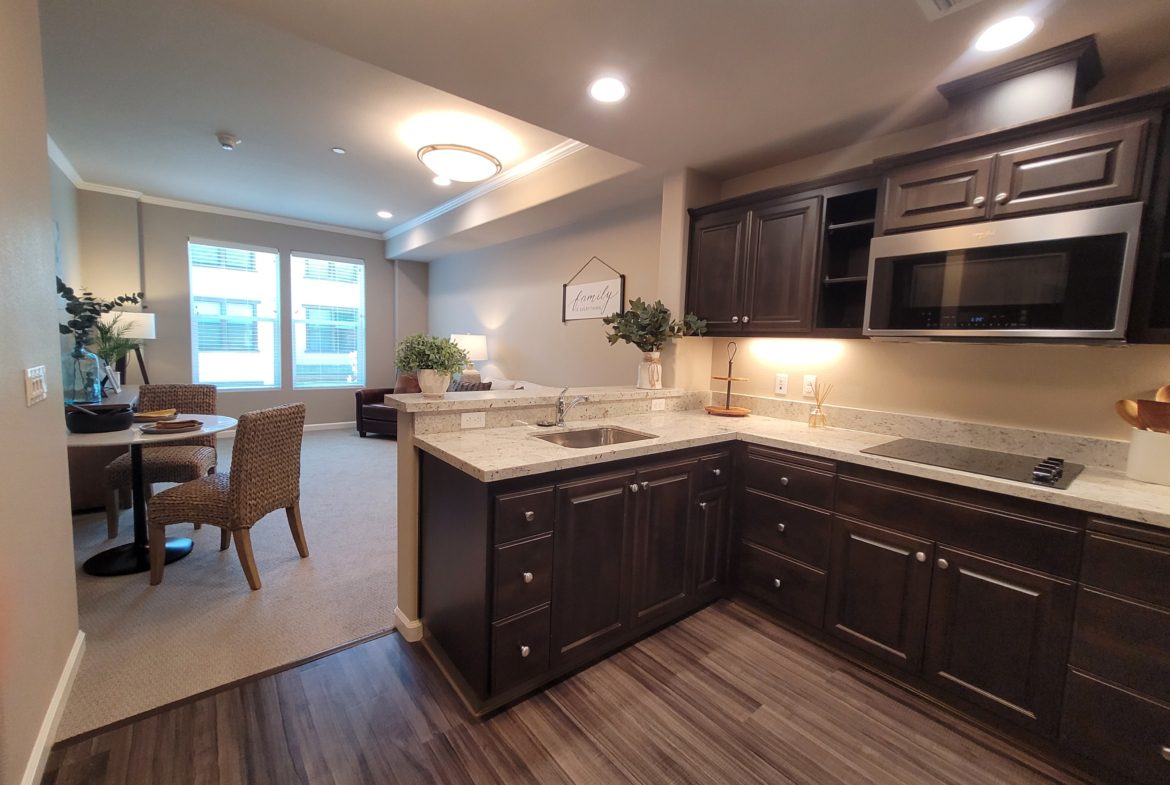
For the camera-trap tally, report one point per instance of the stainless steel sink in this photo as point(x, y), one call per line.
point(579, 438)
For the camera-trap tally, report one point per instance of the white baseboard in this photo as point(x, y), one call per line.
point(331, 426)
point(44, 743)
point(410, 629)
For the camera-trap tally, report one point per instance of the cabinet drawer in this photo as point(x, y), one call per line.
point(788, 586)
point(1125, 566)
point(788, 480)
point(520, 649)
point(1123, 641)
point(1122, 730)
point(524, 514)
point(791, 529)
point(523, 576)
point(714, 471)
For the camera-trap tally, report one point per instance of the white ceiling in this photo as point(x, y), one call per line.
point(137, 88)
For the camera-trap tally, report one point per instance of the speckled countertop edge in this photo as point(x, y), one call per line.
point(505, 399)
point(496, 454)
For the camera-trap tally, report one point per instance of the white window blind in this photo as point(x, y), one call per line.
point(235, 314)
point(328, 321)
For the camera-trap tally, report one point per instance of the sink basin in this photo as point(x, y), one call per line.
point(579, 438)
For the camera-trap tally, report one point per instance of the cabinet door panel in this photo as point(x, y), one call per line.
point(938, 193)
point(712, 521)
point(591, 565)
point(1086, 169)
point(662, 571)
point(782, 262)
point(879, 590)
point(716, 267)
point(998, 635)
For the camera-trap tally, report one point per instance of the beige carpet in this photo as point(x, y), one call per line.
point(202, 628)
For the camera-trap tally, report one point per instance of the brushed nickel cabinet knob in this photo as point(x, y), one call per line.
point(943, 564)
point(920, 556)
point(525, 651)
point(645, 484)
point(978, 201)
point(780, 528)
point(776, 583)
point(717, 472)
point(746, 319)
point(784, 481)
point(633, 487)
point(702, 505)
point(1001, 198)
point(735, 320)
point(527, 576)
point(530, 516)
point(1166, 753)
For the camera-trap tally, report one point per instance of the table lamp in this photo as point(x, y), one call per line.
point(140, 327)
point(476, 348)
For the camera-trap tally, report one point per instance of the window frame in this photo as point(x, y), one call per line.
point(359, 326)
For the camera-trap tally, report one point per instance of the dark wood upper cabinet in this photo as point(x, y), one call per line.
point(781, 267)
point(879, 591)
point(938, 193)
point(661, 576)
point(716, 269)
point(591, 566)
point(998, 636)
point(1084, 169)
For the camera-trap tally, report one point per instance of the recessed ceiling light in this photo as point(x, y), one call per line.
point(228, 141)
point(459, 162)
point(1005, 33)
point(440, 180)
point(339, 150)
point(384, 214)
point(608, 90)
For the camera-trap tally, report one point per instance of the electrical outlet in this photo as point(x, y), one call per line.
point(658, 405)
point(781, 387)
point(809, 390)
point(36, 389)
point(473, 420)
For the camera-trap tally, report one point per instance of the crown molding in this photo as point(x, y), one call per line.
point(109, 189)
point(520, 170)
point(57, 156)
point(199, 207)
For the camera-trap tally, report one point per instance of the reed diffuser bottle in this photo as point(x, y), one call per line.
point(817, 417)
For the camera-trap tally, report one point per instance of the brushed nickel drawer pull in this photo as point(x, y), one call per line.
point(1166, 753)
point(920, 556)
point(943, 564)
point(784, 481)
point(525, 651)
point(530, 516)
point(645, 484)
point(780, 528)
point(717, 472)
point(633, 487)
point(527, 576)
point(776, 583)
point(702, 505)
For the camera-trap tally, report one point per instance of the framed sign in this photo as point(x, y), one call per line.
point(594, 300)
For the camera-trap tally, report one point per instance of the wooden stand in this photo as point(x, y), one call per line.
point(728, 410)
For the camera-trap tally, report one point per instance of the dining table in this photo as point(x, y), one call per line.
point(134, 557)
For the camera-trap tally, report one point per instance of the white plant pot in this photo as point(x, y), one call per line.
point(650, 371)
point(432, 383)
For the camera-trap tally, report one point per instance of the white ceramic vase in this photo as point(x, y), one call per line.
point(650, 371)
point(432, 383)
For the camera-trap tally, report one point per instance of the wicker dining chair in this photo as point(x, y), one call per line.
point(265, 475)
point(190, 460)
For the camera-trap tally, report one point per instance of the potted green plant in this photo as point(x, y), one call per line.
point(649, 327)
point(81, 372)
point(110, 343)
point(434, 359)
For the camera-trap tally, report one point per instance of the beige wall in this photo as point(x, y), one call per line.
point(38, 600)
point(512, 293)
point(165, 231)
point(65, 220)
point(411, 311)
point(110, 258)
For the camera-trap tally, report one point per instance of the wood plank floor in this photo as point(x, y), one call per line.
point(724, 696)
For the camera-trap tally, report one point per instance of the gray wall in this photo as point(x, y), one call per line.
point(38, 599)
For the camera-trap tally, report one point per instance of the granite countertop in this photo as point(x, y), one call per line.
point(506, 399)
point(504, 453)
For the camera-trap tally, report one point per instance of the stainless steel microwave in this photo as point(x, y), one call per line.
point(1064, 275)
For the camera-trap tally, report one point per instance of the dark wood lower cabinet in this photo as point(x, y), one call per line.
point(879, 591)
point(711, 521)
point(998, 636)
point(661, 575)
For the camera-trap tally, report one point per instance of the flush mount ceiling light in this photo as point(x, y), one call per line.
point(385, 214)
point(608, 90)
point(459, 163)
point(338, 150)
point(443, 181)
point(228, 141)
point(1005, 33)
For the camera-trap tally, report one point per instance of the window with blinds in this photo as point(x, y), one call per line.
point(235, 314)
point(328, 321)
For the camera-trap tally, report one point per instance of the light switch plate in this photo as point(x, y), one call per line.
point(473, 420)
point(781, 387)
point(36, 389)
point(809, 389)
point(658, 405)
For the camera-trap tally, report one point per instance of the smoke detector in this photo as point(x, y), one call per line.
point(937, 9)
point(228, 141)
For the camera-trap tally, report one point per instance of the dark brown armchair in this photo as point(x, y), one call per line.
point(373, 416)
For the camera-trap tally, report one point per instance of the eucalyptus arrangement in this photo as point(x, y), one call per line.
point(85, 310)
point(435, 359)
point(649, 327)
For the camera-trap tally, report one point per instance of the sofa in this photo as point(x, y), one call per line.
point(374, 416)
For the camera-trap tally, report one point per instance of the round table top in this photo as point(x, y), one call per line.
point(212, 423)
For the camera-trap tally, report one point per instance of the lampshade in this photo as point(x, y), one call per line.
point(139, 325)
point(459, 163)
point(474, 345)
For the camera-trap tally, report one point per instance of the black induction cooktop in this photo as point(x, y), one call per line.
point(1048, 472)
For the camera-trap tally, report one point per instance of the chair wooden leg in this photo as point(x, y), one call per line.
point(225, 539)
point(243, 540)
point(158, 554)
point(298, 531)
point(112, 512)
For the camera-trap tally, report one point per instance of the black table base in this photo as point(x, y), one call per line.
point(129, 559)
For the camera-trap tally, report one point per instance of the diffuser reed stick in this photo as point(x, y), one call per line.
point(817, 417)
